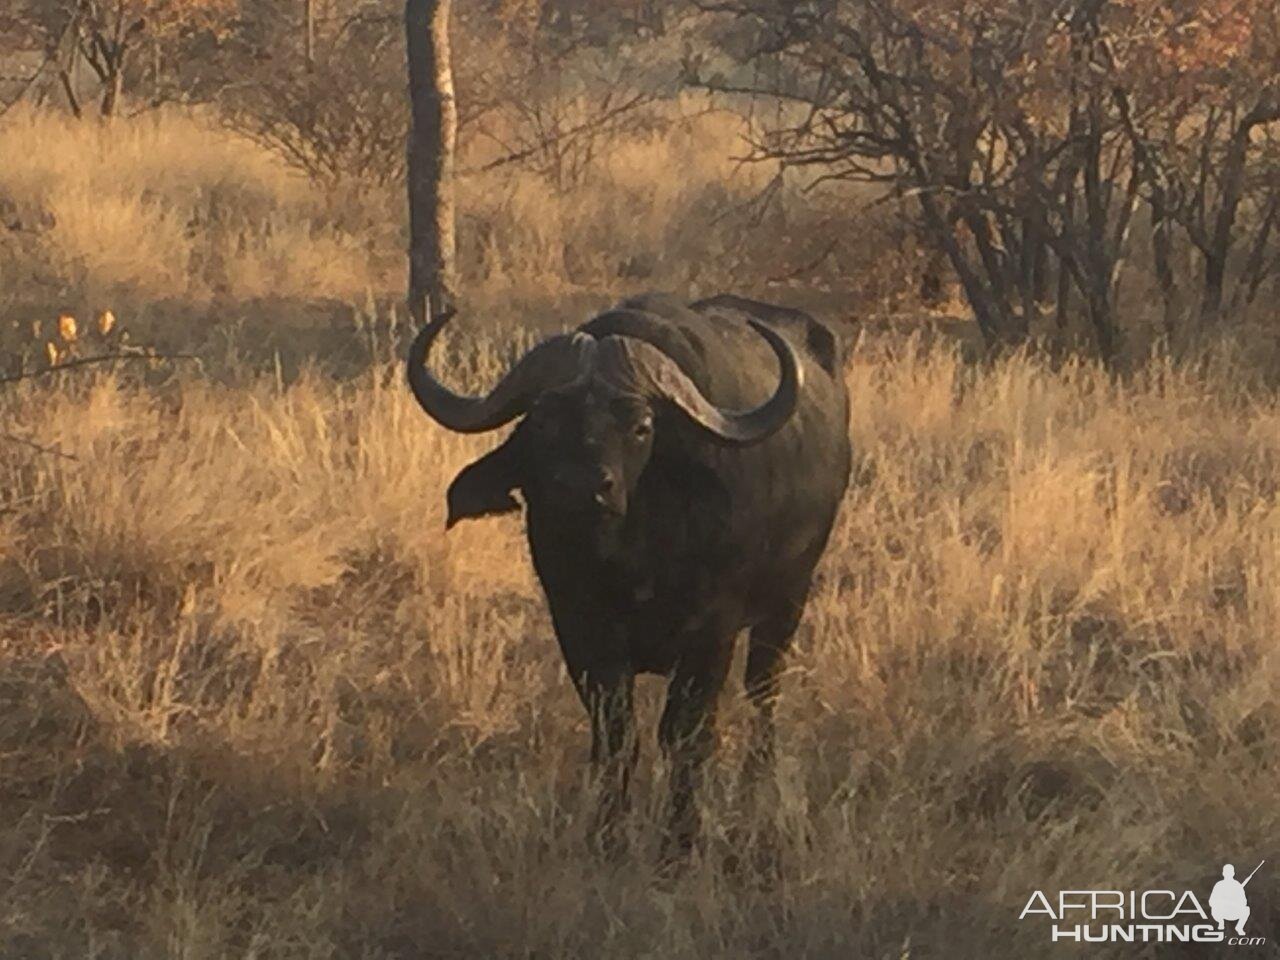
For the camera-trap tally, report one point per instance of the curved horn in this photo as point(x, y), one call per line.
point(663, 377)
point(550, 364)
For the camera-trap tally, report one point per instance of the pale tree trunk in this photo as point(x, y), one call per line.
point(432, 277)
point(309, 17)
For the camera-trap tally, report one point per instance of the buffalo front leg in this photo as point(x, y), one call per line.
point(687, 733)
point(607, 693)
point(595, 653)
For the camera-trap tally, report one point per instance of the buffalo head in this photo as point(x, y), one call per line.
point(591, 409)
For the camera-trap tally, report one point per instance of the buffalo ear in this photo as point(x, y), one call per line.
point(484, 488)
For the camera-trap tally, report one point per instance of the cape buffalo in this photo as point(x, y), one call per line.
point(681, 467)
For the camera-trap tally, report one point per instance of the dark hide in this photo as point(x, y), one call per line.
point(711, 540)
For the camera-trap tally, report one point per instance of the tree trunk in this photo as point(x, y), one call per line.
point(69, 88)
point(309, 15)
point(432, 278)
point(986, 312)
point(1255, 268)
point(1098, 298)
point(114, 88)
point(1099, 255)
point(1012, 329)
point(1162, 255)
point(113, 52)
point(1218, 249)
point(1219, 246)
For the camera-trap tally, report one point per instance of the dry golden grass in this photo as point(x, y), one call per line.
point(167, 206)
point(254, 701)
point(170, 207)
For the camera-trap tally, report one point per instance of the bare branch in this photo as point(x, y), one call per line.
point(93, 361)
point(50, 451)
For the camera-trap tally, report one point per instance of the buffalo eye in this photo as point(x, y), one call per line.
point(546, 428)
point(633, 417)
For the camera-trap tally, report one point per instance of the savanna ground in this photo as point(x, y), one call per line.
point(255, 703)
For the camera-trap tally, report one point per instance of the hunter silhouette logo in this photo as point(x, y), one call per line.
point(1228, 900)
point(1148, 916)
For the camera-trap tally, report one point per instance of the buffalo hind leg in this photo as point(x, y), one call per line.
point(767, 648)
point(687, 733)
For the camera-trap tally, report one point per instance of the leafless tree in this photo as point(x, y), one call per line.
point(314, 116)
point(1017, 130)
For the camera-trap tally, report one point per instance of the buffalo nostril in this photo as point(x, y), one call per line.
point(604, 489)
